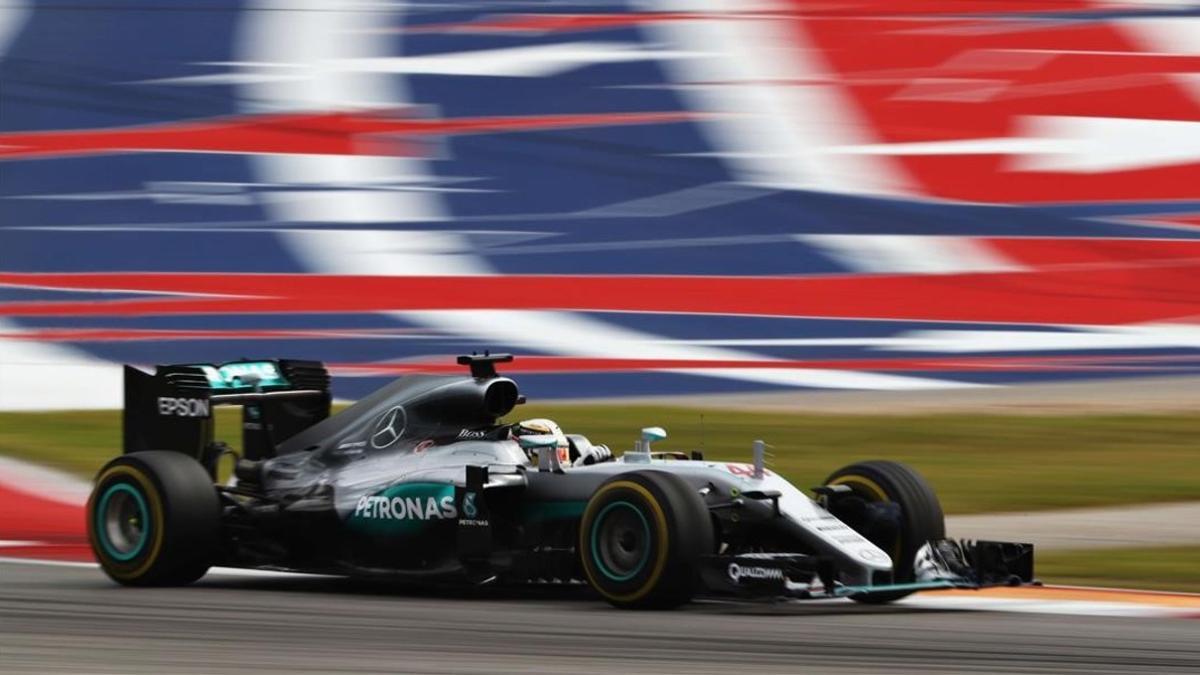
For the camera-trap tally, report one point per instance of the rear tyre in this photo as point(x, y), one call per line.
point(641, 538)
point(154, 519)
point(893, 506)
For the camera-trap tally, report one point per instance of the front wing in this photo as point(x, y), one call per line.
point(942, 563)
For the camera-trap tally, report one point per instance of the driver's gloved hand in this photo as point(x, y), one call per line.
point(594, 454)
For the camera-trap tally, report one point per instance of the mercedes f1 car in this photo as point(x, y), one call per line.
point(420, 481)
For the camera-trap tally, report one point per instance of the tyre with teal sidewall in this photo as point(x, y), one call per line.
point(153, 519)
point(641, 537)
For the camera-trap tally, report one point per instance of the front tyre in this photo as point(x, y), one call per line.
point(153, 519)
point(893, 506)
point(641, 538)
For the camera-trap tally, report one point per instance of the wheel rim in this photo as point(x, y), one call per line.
point(620, 541)
point(122, 522)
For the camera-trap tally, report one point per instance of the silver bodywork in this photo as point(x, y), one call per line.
point(365, 473)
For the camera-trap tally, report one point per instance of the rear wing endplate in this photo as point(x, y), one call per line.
point(171, 408)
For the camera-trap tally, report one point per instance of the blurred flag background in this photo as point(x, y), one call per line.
point(639, 198)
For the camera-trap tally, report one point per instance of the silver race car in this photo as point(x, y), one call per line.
point(421, 481)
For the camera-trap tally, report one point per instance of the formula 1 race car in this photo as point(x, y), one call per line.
point(419, 481)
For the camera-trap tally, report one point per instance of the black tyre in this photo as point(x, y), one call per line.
point(893, 506)
point(641, 538)
point(154, 519)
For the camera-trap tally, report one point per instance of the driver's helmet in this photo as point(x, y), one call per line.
point(544, 427)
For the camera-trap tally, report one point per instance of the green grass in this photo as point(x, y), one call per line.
point(80, 442)
point(977, 463)
point(1165, 569)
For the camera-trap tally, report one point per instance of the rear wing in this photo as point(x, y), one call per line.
point(171, 408)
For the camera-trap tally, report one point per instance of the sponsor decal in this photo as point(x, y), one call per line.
point(868, 554)
point(823, 517)
point(404, 508)
point(233, 374)
point(745, 470)
point(738, 572)
point(472, 433)
point(183, 407)
point(389, 428)
point(470, 512)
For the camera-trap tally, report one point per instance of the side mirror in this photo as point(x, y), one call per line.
point(651, 434)
point(548, 459)
point(538, 441)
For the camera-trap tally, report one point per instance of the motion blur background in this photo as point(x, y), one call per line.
point(639, 198)
point(962, 234)
point(968, 206)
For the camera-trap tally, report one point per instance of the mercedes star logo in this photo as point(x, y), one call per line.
point(389, 428)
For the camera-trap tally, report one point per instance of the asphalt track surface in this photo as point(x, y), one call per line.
point(73, 620)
